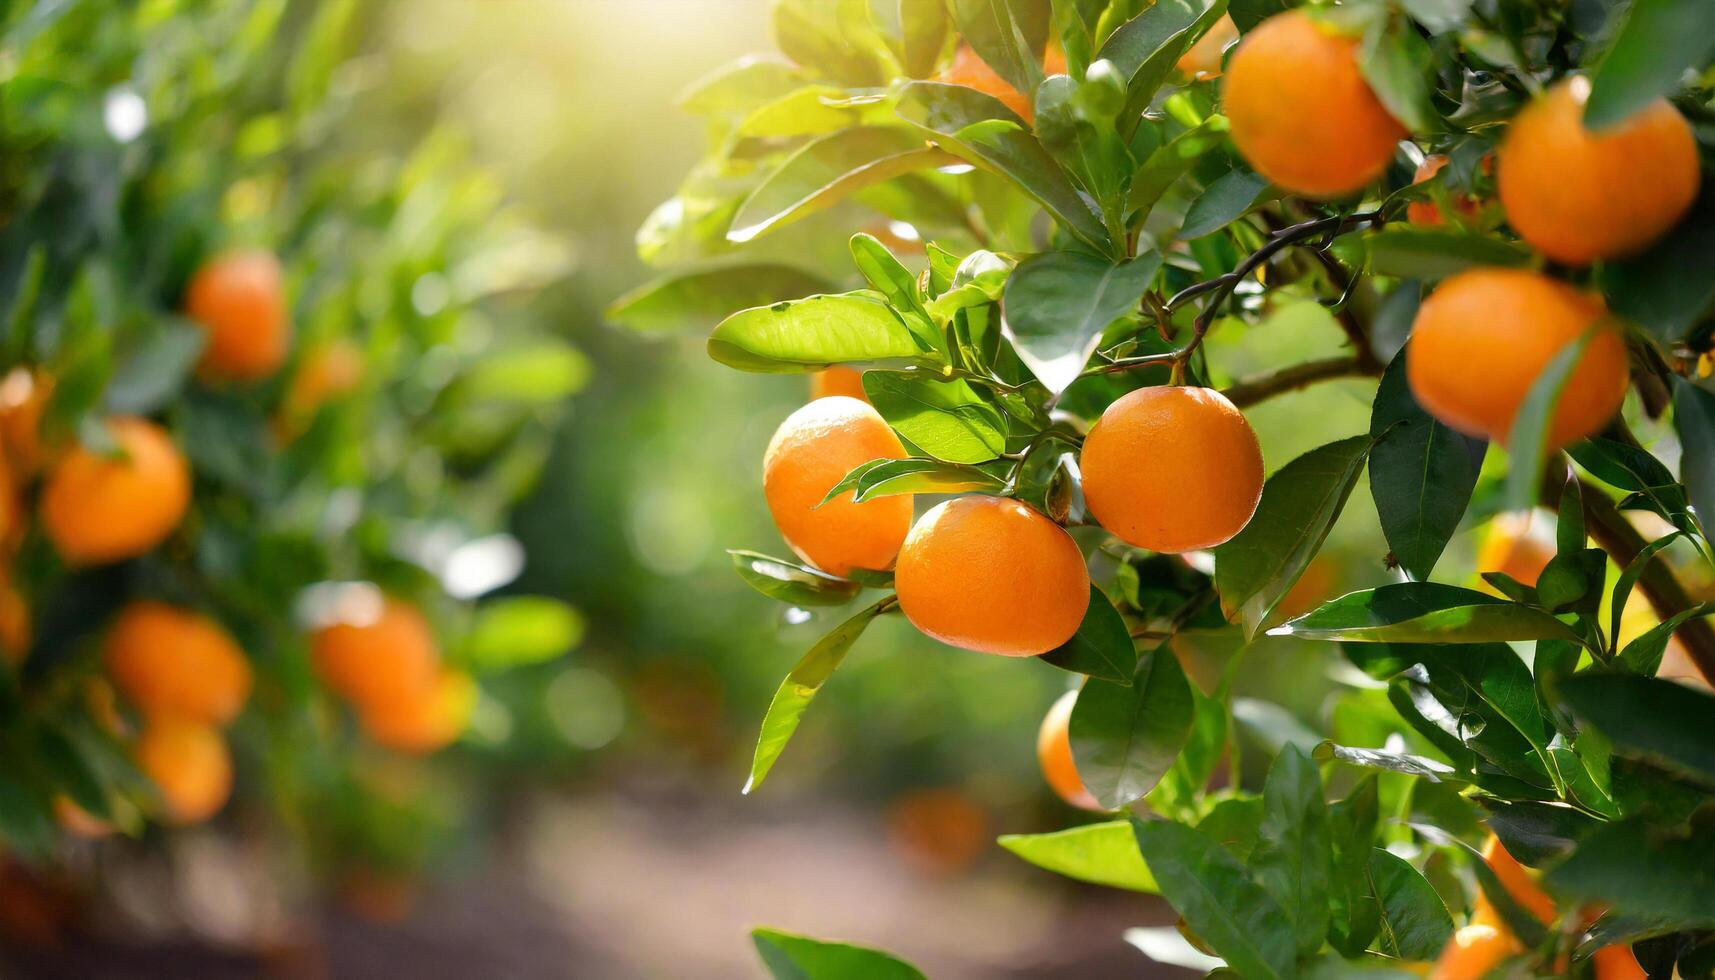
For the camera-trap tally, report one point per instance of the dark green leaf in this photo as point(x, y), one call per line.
point(1666, 874)
point(1354, 914)
point(1223, 202)
point(1643, 655)
point(1670, 285)
point(1145, 48)
point(791, 582)
point(1655, 719)
point(1425, 612)
point(1657, 41)
point(1249, 13)
point(148, 374)
point(1173, 160)
point(811, 333)
point(1124, 737)
point(1414, 922)
point(1536, 833)
point(1435, 253)
point(1292, 856)
point(1058, 303)
point(1099, 853)
point(1694, 420)
point(1400, 68)
point(1008, 34)
point(1102, 647)
point(793, 957)
point(887, 477)
point(691, 299)
point(1528, 439)
point(1219, 900)
point(1421, 473)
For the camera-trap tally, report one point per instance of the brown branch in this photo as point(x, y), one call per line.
point(1615, 535)
point(1249, 391)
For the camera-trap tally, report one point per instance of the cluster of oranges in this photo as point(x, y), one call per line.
point(379, 653)
point(183, 673)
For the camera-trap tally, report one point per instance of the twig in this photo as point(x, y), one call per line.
point(1249, 391)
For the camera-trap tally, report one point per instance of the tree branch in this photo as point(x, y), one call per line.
point(1249, 391)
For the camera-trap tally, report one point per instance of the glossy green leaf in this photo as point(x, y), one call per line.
point(740, 87)
point(1247, 14)
point(1421, 473)
point(1659, 720)
point(1219, 900)
point(1669, 286)
point(944, 111)
point(945, 418)
point(1299, 505)
point(1146, 48)
point(1172, 160)
point(1527, 440)
point(1007, 34)
point(1434, 253)
point(812, 333)
point(801, 686)
point(1400, 762)
point(792, 957)
point(1657, 41)
point(146, 375)
point(1643, 654)
point(1099, 853)
point(822, 36)
point(517, 630)
point(923, 29)
point(1694, 421)
point(1415, 924)
point(889, 277)
point(1400, 68)
point(1424, 612)
point(826, 170)
point(1292, 858)
point(1635, 867)
point(1223, 202)
point(809, 111)
point(790, 581)
point(1124, 737)
point(692, 299)
point(887, 477)
point(1102, 647)
point(1058, 303)
point(1354, 914)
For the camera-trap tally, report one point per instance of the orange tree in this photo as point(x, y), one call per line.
point(271, 386)
point(1503, 206)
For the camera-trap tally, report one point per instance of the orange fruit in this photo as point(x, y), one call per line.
point(1473, 952)
point(1203, 59)
point(1484, 336)
point(1301, 112)
point(992, 575)
point(1617, 963)
point(424, 723)
point(174, 661)
point(1428, 212)
point(938, 830)
point(97, 508)
point(838, 381)
point(811, 451)
point(325, 373)
point(1172, 469)
point(1579, 195)
point(1054, 752)
point(23, 395)
point(240, 300)
point(1518, 881)
point(189, 764)
point(380, 656)
point(1510, 547)
point(15, 632)
point(969, 70)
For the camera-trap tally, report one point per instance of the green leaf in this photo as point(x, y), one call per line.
point(887, 477)
point(1233, 823)
point(1102, 647)
point(792, 957)
point(1658, 720)
point(801, 686)
point(1124, 737)
point(520, 630)
point(1397, 62)
point(1425, 612)
point(1099, 853)
point(822, 36)
point(1415, 925)
point(1292, 855)
point(1421, 473)
point(1694, 421)
point(812, 333)
point(149, 374)
point(1657, 41)
point(1638, 868)
point(1299, 505)
point(1643, 655)
point(923, 27)
point(1435, 253)
point(1670, 285)
point(691, 299)
point(1247, 14)
point(945, 418)
point(1223, 202)
point(1219, 900)
point(1172, 160)
point(944, 111)
point(740, 87)
point(1536, 833)
point(810, 111)
point(20, 331)
point(1145, 48)
point(1400, 762)
point(889, 277)
point(1007, 34)
point(1354, 914)
point(546, 371)
point(1528, 439)
point(1058, 303)
point(825, 170)
point(24, 821)
point(791, 582)
point(1439, 16)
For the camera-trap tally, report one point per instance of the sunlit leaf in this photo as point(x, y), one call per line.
point(792, 582)
point(812, 333)
point(1058, 303)
point(695, 298)
point(1425, 612)
point(793, 957)
point(825, 170)
point(1099, 853)
point(945, 418)
point(1124, 737)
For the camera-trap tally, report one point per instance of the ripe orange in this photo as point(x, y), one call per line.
point(97, 508)
point(1481, 340)
point(190, 766)
point(1617, 963)
point(973, 72)
point(1203, 59)
point(178, 662)
point(15, 632)
point(423, 723)
point(1510, 547)
point(838, 381)
point(811, 451)
point(1579, 195)
point(240, 300)
point(324, 374)
point(1301, 112)
point(23, 395)
point(1473, 952)
point(992, 575)
point(1518, 881)
point(938, 831)
point(1172, 469)
point(378, 656)
point(1054, 752)
point(1428, 212)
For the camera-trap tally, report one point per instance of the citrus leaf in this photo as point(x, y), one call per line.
point(889, 277)
point(1431, 253)
point(1172, 160)
point(1648, 717)
point(1425, 612)
point(1638, 867)
point(1058, 303)
point(1401, 762)
point(1146, 48)
point(1218, 899)
point(1124, 737)
point(1099, 853)
point(812, 333)
point(1007, 34)
point(945, 418)
point(1527, 440)
point(1102, 647)
point(792, 957)
point(1694, 421)
point(1657, 41)
point(147, 375)
point(1670, 285)
point(692, 298)
point(887, 477)
point(519, 630)
point(791, 582)
point(1291, 857)
point(1415, 924)
point(1223, 202)
point(825, 170)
